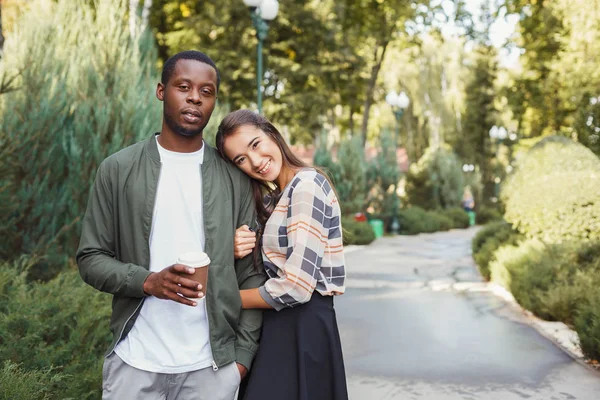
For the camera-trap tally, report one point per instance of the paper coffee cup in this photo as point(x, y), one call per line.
point(200, 261)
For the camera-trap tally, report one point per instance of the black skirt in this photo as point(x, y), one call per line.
point(300, 355)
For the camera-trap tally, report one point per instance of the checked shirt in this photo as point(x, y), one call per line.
point(302, 243)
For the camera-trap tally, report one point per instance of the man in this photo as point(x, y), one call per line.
point(151, 202)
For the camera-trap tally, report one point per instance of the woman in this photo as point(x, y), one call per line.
point(300, 354)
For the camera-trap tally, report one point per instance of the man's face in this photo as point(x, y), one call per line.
point(189, 97)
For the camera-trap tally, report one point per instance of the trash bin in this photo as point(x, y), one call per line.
point(377, 226)
point(471, 218)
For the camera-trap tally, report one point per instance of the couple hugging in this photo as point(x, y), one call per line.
point(270, 225)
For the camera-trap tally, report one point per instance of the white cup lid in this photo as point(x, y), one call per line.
point(195, 258)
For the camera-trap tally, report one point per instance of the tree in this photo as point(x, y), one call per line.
point(473, 146)
point(1, 30)
point(93, 88)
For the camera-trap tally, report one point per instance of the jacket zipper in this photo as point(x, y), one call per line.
point(124, 325)
point(207, 241)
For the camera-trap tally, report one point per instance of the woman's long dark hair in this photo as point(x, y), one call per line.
point(265, 196)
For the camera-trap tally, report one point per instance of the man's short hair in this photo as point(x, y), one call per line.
point(171, 63)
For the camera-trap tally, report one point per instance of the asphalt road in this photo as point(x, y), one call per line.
point(418, 323)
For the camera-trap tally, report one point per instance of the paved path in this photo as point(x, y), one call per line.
point(417, 323)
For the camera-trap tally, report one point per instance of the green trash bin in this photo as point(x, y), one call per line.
point(377, 226)
point(471, 218)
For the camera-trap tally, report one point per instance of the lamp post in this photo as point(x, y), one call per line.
point(497, 134)
point(261, 12)
point(399, 103)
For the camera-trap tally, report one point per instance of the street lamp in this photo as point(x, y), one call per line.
point(497, 134)
point(261, 11)
point(399, 103)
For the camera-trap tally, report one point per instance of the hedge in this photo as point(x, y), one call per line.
point(488, 240)
point(554, 194)
point(415, 220)
point(355, 232)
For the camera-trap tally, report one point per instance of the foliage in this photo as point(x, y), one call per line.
point(16, 383)
point(415, 220)
point(318, 55)
point(459, 217)
point(357, 232)
point(85, 90)
point(383, 175)
point(551, 280)
point(351, 186)
point(555, 192)
point(489, 239)
point(49, 325)
point(556, 91)
point(473, 146)
point(436, 180)
point(587, 325)
point(488, 214)
point(348, 173)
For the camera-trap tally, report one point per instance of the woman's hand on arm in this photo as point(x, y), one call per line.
point(244, 242)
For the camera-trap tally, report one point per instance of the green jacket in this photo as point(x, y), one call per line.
point(114, 251)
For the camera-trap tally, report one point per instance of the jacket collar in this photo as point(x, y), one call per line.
point(210, 154)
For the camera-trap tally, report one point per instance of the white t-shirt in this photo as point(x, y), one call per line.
point(170, 337)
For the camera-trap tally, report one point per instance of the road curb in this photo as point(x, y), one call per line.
point(557, 332)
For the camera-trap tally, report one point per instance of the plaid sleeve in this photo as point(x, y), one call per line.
point(308, 220)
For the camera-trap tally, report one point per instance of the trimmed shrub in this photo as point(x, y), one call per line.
point(60, 324)
point(415, 220)
point(436, 180)
point(356, 232)
point(554, 194)
point(459, 217)
point(442, 220)
point(93, 88)
point(488, 240)
point(487, 214)
point(587, 325)
point(552, 281)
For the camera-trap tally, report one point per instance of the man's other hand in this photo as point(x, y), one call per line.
point(171, 284)
point(243, 371)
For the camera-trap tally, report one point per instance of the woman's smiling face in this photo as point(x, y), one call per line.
point(255, 153)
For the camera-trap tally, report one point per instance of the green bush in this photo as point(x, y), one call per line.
point(383, 176)
point(60, 324)
point(489, 239)
point(442, 220)
point(84, 89)
point(17, 383)
point(587, 325)
point(415, 220)
point(348, 173)
point(436, 180)
point(487, 214)
point(551, 280)
point(356, 232)
point(459, 217)
point(554, 194)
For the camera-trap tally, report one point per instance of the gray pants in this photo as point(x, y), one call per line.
point(121, 381)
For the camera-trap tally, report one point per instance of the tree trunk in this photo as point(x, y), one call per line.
point(371, 87)
point(351, 120)
point(1, 35)
point(133, 13)
point(146, 13)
